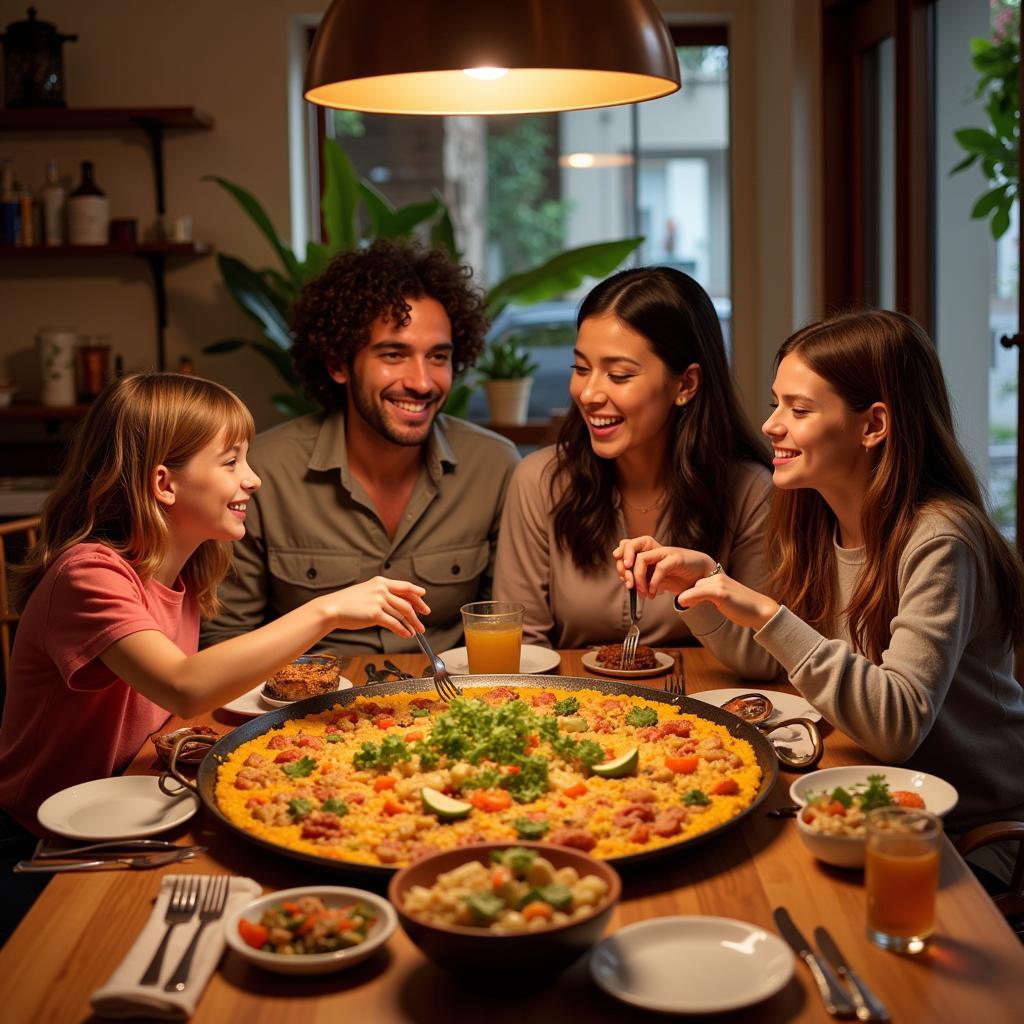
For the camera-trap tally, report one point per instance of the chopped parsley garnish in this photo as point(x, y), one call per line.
point(392, 750)
point(299, 808)
point(334, 737)
point(299, 769)
point(876, 795)
point(485, 906)
point(335, 806)
point(419, 712)
point(566, 706)
point(641, 717)
point(696, 798)
point(841, 796)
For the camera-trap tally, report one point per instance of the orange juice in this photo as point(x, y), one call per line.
point(901, 883)
point(493, 649)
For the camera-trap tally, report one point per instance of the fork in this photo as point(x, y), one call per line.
point(214, 902)
point(446, 689)
point(632, 634)
point(180, 908)
point(675, 684)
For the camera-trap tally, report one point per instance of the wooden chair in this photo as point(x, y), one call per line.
point(1010, 904)
point(16, 537)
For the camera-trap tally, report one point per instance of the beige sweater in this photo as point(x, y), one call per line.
point(568, 608)
point(943, 699)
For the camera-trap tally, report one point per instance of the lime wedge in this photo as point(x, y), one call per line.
point(443, 806)
point(625, 765)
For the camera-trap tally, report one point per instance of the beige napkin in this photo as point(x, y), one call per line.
point(123, 997)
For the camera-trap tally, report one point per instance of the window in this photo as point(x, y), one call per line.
point(524, 188)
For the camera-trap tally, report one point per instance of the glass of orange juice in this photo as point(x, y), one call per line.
point(901, 876)
point(494, 636)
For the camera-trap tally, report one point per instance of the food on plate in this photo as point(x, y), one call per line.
point(308, 676)
point(751, 707)
point(520, 891)
point(611, 657)
point(306, 926)
point(387, 781)
point(842, 811)
point(191, 752)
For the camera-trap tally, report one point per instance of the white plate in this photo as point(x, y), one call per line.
point(784, 705)
point(938, 795)
point(313, 963)
point(252, 703)
point(664, 664)
point(533, 659)
point(274, 702)
point(692, 964)
point(125, 807)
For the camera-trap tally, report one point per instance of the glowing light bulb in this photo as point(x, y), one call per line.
point(580, 160)
point(485, 74)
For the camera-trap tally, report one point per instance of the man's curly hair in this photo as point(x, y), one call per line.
point(333, 315)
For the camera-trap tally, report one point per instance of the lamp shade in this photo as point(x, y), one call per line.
point(489, 56)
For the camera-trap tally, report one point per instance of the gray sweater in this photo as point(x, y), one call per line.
point(943, 699)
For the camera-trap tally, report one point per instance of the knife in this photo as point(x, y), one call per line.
point(117, 848)
point(832, 992)
point(869, 1006)
point(154, 860)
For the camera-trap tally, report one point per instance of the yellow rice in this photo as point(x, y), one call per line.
point(367, 824)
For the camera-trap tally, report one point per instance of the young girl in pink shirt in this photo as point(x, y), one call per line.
point(134, 541)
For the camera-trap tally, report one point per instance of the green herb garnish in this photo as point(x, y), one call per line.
point(641, 717)
point(299, 769)
point(335, 806)
point(566, 706)
point(696, 798)
point(527, 828)
point(299, 808)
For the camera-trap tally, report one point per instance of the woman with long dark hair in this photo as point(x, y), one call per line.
point(896, 604)
point(655, 443)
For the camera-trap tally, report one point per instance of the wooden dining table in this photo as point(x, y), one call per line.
point(83, 924)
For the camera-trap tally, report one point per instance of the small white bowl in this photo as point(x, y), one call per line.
point(848, 851)
point(313, 963)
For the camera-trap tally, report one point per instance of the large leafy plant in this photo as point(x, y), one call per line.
point(354, 213)
point(997, 61)
point(505, 360)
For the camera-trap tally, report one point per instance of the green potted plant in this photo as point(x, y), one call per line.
point(506, 371)
point(355, 212)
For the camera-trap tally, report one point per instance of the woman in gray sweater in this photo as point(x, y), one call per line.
point(896, 604)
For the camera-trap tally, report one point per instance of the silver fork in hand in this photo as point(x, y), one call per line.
point(214, 902)
point(446, 688)
point(632, 634)
point(180, 908)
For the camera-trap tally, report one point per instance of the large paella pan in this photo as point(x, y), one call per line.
point(337, 769)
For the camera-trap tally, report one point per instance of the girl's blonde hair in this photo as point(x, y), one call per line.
point(105, 492)
point(881, 356)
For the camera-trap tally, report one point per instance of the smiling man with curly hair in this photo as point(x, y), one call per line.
point(380, 482)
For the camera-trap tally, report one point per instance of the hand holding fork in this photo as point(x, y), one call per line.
point(632, 634)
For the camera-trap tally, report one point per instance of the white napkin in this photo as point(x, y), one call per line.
point(122, 997)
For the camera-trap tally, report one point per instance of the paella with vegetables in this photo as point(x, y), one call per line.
point(385, 782)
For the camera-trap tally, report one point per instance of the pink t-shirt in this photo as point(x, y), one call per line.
point(67, 717)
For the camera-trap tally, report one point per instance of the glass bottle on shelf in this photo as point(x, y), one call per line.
point(52, 197)
point(27, 231)
point(88, 211)
point(10, 208)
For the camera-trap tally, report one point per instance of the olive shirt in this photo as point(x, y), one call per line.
point(567, 607)
point(942, 697)
point(312, 529)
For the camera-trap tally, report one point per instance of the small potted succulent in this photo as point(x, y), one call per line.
point(506, 371)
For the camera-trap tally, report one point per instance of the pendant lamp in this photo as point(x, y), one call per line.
point(489, 56)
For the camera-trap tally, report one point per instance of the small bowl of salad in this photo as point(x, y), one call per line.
point(833, 803)
point(310, 930)
point(479, 908)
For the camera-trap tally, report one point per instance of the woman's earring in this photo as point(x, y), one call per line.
point(680, 401)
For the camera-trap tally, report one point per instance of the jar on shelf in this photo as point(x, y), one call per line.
point(57, 365)
point(88, 211)
point(93, 365)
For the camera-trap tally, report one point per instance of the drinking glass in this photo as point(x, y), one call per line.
point(494, 636)
point(901, 876)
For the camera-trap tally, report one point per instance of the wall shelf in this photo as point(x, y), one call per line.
point(153, 122)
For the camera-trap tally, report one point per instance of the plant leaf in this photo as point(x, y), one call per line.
point(340, 200)
point(251, 205)
point(442, 232)
point(989, 201)
point(965, 163)
point(1001, 221)
point(251, 292)
point(560, 274)
point(378, 208)
point(975, 140)
point(317, 258)
point(388, 222)
point(226, 345)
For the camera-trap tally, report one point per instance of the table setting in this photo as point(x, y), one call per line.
point(678, 926)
